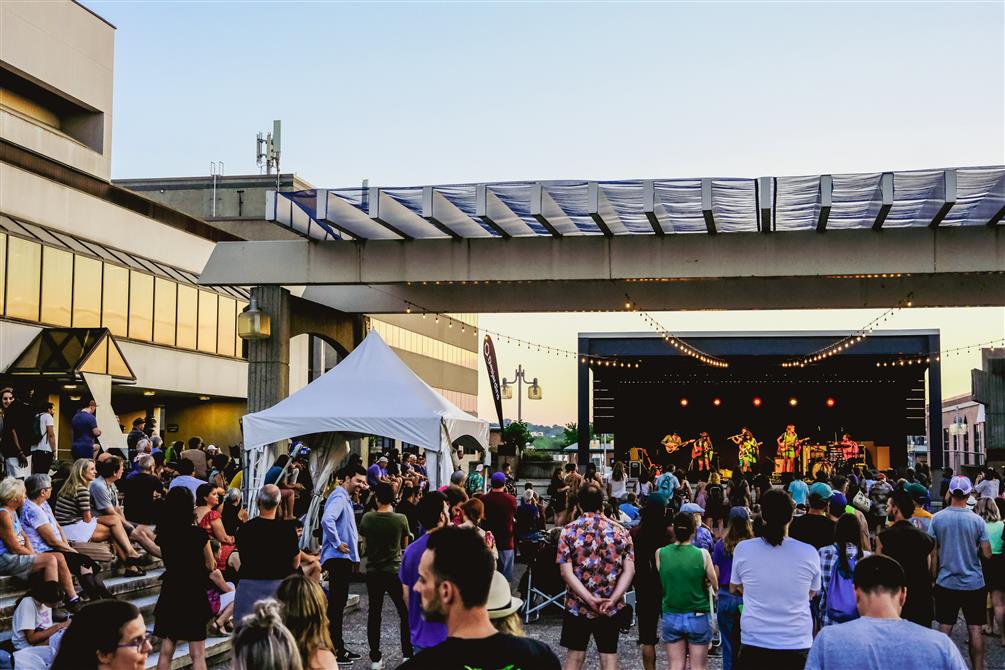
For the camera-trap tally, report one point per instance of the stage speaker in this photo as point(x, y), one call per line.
point(634, 469)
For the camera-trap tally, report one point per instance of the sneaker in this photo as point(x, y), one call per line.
point(346, 657)
point(377, 665)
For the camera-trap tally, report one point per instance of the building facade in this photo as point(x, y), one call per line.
point(963, 436)
point(90, 265)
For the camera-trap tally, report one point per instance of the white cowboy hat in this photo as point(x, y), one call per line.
point(501, 602)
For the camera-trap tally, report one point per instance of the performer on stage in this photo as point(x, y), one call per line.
point(850, 448)
point(702, 453)
point(672, 442)
point(749, 449)
point(788, 448)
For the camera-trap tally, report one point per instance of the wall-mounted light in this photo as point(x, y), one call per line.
point(253, 323)
point(149, 393)
point(204, 397)
point(69, 387)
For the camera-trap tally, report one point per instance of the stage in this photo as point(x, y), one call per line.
point(863, 391)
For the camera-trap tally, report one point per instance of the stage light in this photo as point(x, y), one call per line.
point(757, 401)
point(830, 402)
point(793, 402)
point(716, 402)
point(683, 402)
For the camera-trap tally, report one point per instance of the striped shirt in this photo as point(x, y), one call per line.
point(71, 510)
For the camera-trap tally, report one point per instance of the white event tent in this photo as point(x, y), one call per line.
point(370, 392)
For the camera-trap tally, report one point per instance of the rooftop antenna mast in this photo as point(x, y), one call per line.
point(268, 148)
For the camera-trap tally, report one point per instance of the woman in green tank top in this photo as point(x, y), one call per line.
point(685, 571)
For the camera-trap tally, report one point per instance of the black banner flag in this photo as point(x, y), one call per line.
point(495, 381)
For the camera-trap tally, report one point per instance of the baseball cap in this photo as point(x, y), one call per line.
point(479, 467)
point(960, 483)
point(382, 459)
point(916, 490)
point(880, 476)
point(838, 503)
point(821, 489)
point(498, 479)
point(691, 508)
point(739, 513)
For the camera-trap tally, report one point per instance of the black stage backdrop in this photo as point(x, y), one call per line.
point(640, 412)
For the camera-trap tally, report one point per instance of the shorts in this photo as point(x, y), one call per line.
point(16, 565)
point(693, 628)
point(577, 630)
point(949, 602)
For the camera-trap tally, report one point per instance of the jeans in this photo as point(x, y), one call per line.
point(728, 615)
point(506, 563)
point(339, 573)
point(377, 584)
point(691, 628)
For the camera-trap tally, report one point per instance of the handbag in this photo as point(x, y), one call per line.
point(713, 620)
point(861, 502)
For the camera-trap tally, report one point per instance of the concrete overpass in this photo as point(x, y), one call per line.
point(825, 241)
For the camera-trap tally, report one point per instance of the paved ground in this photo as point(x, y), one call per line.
point(548, 630)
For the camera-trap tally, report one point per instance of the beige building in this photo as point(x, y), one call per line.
point(963, 435)
point(88, 266)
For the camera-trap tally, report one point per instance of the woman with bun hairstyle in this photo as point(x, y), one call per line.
point(262, 642)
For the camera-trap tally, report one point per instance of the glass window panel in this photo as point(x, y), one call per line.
point(226, 326)
point(115, 299)
point(3, 268)
point(141, 306)
point(24, 268)
point(239, 343)
point(86, 292)
point(188, 311)
point(207, 321)
point(165, 302)
point(57, 286)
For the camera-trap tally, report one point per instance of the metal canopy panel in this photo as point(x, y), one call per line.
point(66, 353)
point(918, 198)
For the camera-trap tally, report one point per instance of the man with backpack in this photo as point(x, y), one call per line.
point(43, 436)
point(666, 484)
point(880, 638)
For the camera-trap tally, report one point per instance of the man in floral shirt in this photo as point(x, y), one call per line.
point(597, 562)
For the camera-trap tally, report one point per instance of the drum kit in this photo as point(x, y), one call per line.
point(827, 456)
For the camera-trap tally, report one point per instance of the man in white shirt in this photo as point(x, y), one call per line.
point(41, 453)
point(880, 639)
point(777, 577)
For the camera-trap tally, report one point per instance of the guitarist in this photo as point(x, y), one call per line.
point(788, 448)
point(749, 448)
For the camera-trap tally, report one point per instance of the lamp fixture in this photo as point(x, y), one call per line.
point(253, 323)
point(149, 393)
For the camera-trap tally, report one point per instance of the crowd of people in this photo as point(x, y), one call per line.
point(839, 570)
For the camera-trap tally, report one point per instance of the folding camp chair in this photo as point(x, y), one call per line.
point(544, 582)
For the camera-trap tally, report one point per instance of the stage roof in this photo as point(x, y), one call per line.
point(965, 196)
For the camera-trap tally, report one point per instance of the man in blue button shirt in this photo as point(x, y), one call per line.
point(340, 550)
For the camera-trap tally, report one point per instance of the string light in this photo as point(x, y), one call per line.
point(672, 339)
point(847, 342)
point(926, 360)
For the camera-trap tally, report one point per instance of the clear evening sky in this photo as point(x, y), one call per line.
point(424, 93)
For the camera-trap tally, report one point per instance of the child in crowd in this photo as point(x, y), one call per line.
point(221, 598)
point(34, 635)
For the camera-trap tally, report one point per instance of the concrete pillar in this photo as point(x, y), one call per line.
point(269, 359)
point(583, 414)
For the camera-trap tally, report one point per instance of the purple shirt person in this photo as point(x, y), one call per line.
point(377, 472)
point(432, 515)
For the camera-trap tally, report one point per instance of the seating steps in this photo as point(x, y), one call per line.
point(142, 592)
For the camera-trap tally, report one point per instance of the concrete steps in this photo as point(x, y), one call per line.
point(140, 591)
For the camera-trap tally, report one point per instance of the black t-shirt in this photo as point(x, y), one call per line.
point(910, 547)
point(267, 548)
point(140, 505)
point(813, 529)
point(498, 652)
point(411, 512)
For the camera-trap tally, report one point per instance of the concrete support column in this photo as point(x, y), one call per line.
point(583, 415)
point(269, 359)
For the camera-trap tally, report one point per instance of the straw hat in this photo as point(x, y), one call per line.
point(501, 602)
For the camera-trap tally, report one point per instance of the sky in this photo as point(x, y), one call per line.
point(428, 93)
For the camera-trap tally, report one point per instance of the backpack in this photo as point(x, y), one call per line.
point(36, 429)
point(715, 496)
point(841, 592)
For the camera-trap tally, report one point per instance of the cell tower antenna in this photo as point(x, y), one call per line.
point(268, 147)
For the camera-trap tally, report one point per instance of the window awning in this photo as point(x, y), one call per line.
point(64, 354)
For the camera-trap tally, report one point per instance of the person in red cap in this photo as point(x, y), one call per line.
point(500, 511)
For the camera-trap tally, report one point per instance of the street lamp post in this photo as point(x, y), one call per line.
point(534, 392)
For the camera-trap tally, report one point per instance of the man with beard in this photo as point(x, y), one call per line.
point(912, 548)
point(455, 574)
